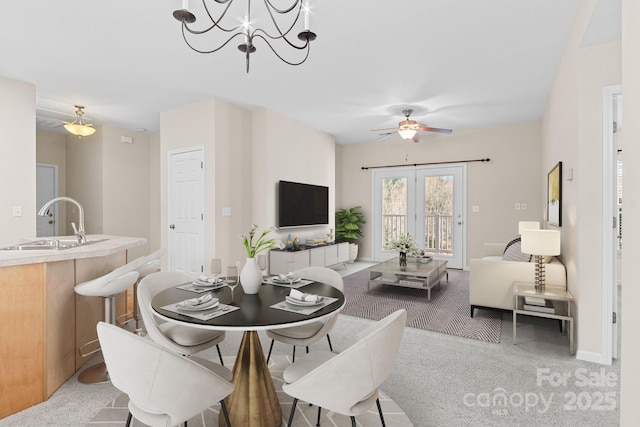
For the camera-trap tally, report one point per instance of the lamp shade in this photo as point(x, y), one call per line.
point(541, 242)
point(528, 225)
point(407, 133)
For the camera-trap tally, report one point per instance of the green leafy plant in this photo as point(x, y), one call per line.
point(348, 223)
point(261, 244)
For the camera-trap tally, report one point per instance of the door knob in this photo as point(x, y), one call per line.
point(51, 221)
point(172, 226)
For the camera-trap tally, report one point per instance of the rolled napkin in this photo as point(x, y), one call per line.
point(288, 276)
point(296, 294)
point(197, 301)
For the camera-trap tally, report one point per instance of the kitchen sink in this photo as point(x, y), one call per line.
point(49, 244)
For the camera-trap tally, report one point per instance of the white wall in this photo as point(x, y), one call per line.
point(246, 154)
point(18, 162)
point(572, 133)
point(630, 387)
point(511, 176)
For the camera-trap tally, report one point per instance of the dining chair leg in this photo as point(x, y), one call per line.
point(380, 411)
point(129, 417)
point(307, 349)
point(225, 413)
point(293, 411)
point(318, 420)
point(293, 358)
point(353, 421)
point(270, 348)
point(330, 346)
point(219, 354)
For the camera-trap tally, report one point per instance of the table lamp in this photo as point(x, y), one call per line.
point(528, 225)
point(540, 243)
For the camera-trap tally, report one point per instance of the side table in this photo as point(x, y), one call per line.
point(560, 300)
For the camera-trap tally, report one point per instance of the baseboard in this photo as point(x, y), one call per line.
point(589, 356)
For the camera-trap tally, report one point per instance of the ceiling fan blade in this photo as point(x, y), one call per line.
point(383, 136)
point(377, 130)
point(430, 129)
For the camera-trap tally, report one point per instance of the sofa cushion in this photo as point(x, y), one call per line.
point(513, 251)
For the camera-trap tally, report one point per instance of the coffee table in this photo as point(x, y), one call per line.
point(415, 275)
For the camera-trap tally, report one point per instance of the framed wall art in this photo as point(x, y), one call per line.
point(554, 195)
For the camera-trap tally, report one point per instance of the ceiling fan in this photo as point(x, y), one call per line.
point(408, 129)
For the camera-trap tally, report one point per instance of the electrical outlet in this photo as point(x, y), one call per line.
point(517, 206)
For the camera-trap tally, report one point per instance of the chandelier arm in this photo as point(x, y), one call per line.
point(257, 31)
point(216, 23)
point(284, 34)
point(283, 11)
point(308, 46)
point(208, 51)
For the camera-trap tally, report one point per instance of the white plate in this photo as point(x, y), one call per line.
point(206, 306)
point(294, 301)
point(204, 284)
point(285, 282)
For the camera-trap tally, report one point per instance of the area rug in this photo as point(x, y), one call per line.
point(447, 312)
point(115, 413)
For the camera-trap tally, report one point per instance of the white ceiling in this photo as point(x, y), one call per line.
point(459, 64)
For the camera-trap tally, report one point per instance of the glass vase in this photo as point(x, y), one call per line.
point(403, 261)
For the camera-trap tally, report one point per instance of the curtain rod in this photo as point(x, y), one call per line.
point(425, 164)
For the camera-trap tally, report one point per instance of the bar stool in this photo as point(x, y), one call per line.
point(107, 287)
point(151, 265)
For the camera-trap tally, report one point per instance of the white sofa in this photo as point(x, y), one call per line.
point(491, 278)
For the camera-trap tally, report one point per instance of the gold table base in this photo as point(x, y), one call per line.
point(254, 401)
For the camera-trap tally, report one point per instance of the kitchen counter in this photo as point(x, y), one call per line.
point(43, 322)
point(110, 245)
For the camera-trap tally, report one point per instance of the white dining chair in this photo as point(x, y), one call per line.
point(164, 388)
point(347, 382)
point(178, 338)
point(307, 334)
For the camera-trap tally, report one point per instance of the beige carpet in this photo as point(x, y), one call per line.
point(115, 414)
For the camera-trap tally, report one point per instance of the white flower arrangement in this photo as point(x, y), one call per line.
point(261, 244)
point(404, 243)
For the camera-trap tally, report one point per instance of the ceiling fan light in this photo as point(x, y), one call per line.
point(407, 133)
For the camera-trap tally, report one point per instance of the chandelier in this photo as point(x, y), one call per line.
point(278, 36)
point(78, 127)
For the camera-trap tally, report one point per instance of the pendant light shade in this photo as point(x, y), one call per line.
point(78, 127)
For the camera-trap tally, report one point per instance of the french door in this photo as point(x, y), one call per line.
point(428, 203)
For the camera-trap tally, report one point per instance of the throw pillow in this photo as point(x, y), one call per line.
point(513, 251)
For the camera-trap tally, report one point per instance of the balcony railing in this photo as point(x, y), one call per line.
point(438, 238)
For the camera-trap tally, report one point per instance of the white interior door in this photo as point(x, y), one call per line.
point(186, 211)
point(46, 189)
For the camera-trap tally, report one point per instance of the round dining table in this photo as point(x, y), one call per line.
point(254, 401)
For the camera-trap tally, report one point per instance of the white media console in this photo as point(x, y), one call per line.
point(283, 261)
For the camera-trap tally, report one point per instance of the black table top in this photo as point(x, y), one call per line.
point(255, 310)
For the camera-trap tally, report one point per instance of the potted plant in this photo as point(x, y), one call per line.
point(348, 222)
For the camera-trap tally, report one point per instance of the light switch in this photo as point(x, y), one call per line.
point(17, 211)
point(517, 206)
point(475, 208)
point(226, 211)
point(523, 206)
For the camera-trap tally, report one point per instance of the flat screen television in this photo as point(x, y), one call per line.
point(302, 204)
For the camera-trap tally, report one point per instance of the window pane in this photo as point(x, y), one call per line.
point(394, 209)
point(438, 214)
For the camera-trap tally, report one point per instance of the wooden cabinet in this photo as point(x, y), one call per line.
point(281, 262)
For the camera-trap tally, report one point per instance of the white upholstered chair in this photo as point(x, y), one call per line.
point(177, 338)
point(347, 383)
point(306, 335)
point(164, 388)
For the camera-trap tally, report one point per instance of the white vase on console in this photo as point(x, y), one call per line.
point(250, 277)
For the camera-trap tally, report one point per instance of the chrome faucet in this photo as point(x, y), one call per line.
point(79, 232)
